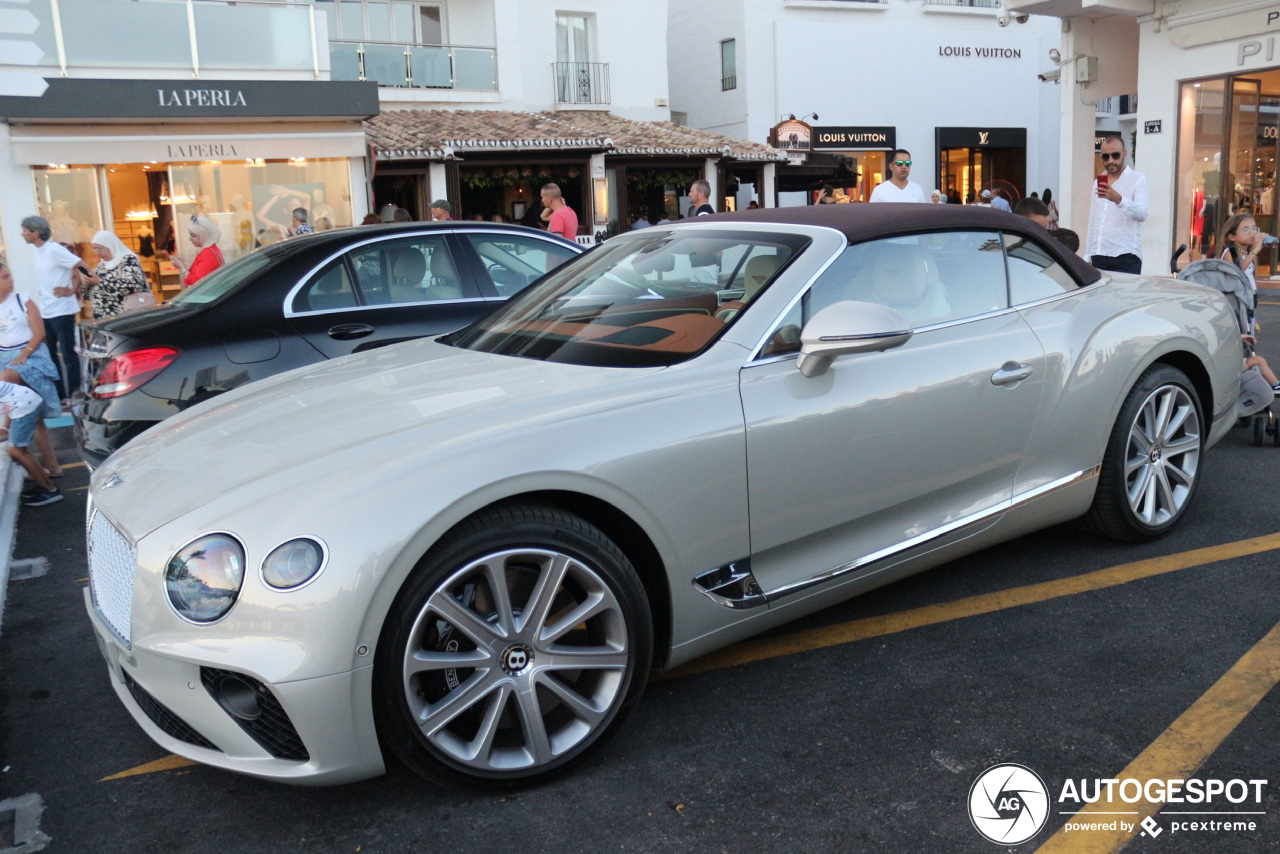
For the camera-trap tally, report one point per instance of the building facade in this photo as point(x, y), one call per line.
point(231, 115)
point(248, 109)
point(940, 78)
point(1207, 78)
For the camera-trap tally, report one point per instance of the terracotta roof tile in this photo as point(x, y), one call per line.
point(444, 134)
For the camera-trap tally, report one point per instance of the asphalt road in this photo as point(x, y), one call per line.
point(861, 729)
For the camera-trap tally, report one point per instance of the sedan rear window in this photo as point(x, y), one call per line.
point(222, 280)
point(654, 300)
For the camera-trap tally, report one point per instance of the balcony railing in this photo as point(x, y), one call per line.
point(414, 65)
point(581, 82)
point(727, 83)
point(973, 4)
point(210, 35)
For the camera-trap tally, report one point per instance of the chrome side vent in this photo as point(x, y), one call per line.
point(732, 586)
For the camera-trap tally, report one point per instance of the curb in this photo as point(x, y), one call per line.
point(10, 498)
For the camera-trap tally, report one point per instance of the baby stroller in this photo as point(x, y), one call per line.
point(1253, 406)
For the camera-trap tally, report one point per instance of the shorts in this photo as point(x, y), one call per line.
point(23, 430)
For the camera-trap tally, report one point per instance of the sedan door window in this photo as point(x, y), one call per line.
point(512, 261)
point(330, 290)
point(413, 270)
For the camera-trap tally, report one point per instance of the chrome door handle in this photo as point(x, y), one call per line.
point(349, 331)
point(1010, 373)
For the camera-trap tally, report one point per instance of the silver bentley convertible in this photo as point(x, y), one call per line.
point(470, 553)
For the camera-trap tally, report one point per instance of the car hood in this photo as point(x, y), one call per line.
point(391, 404)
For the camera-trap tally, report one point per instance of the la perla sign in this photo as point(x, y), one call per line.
point(201, 98)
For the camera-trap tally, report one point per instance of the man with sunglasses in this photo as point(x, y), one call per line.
point(898, 188)
point(1116, 213)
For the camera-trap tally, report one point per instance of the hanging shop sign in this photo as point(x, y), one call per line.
point(854, 137)
point(792, 136)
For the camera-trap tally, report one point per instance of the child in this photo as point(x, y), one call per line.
point(24, 408)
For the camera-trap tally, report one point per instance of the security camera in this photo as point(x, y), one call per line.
point(1003, 18)
point(1054, 56)
point(1050, 76)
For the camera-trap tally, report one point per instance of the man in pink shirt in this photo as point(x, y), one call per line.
point(561, 220)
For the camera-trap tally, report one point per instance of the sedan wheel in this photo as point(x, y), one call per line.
point(1152, 463)
point(517, 645)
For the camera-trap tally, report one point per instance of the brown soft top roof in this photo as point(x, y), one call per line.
point(865, 221)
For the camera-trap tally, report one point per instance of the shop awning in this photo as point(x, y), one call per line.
point(36, 145)
point(451, 134)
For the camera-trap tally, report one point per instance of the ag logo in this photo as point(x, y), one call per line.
point(1008, 804)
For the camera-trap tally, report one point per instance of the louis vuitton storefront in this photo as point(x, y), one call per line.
point(137, 157)
point(972, 159)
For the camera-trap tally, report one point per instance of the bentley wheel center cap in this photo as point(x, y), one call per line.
point(516, 659)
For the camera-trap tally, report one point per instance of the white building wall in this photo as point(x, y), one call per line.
point(1163, 67)
point(630, 38)
point(868, 64)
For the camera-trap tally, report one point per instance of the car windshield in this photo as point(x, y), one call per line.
point(222, 280)
point(658, 299)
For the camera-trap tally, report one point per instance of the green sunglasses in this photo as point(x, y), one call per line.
point(902, 163)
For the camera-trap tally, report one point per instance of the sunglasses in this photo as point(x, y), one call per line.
point(1111, 155)
point(902, 163)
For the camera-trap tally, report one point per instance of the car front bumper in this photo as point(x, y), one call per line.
point(333, 735)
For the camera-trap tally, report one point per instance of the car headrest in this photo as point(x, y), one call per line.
point(407, 265)
point(758, 271)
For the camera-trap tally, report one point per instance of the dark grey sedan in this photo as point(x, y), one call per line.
point(292, 304)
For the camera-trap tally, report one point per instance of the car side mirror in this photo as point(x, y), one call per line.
point(849, 327)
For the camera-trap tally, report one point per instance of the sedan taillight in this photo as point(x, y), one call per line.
point(128, 371)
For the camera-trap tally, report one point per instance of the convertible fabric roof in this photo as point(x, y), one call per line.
point(861, 221)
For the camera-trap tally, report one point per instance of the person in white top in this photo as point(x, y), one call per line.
point(59, 300)
point(1116, 213)
point(898, 188)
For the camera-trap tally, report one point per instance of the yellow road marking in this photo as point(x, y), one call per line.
point(1183, 747)
point(775, 647)
point(168, 763)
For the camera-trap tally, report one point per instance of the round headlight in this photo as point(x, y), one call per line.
point(293, 564)
point(204, 578)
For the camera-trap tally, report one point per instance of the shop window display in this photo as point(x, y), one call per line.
point(1227, 149)
point(252, 203)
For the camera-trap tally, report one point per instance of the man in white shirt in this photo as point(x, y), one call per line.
point(898, 188)
point(1116, 213)
point(59, 301)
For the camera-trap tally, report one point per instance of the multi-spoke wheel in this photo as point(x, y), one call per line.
point(1152, 462)
point(513, 648)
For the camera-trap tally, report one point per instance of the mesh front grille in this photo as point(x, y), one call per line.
point(272, 728)
point(164, 717)
point(112, 560)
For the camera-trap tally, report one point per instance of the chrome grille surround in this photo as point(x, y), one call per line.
point(112, 563)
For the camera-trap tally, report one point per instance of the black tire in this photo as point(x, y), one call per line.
point(1259, 429)
point(1273, 427)
point(485, 677)
point(1151, 467)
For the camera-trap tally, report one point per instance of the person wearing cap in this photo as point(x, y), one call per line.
point(204, 235)
point(898, 188)
point(441, 210)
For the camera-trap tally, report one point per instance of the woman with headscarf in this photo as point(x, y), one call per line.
point(118, 274)
point(204, 235)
